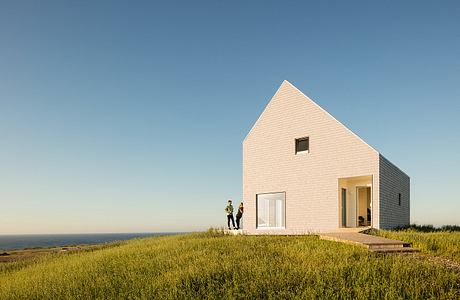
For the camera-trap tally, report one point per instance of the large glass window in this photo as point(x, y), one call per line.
point(270, 210)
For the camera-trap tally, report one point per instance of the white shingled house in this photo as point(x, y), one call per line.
point(305, 172)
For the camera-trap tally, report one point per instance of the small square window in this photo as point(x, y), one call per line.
point(302, 145)
point(399, 199)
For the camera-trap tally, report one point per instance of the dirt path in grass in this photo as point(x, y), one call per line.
point(437, 260)
point(445, 262)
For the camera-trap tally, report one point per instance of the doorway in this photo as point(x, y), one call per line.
point(355, 201)
point(363, 206)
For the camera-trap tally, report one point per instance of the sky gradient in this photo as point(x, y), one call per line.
point(129, 116)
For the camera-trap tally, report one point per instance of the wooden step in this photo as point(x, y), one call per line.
point(388, 246)
point(395, 250)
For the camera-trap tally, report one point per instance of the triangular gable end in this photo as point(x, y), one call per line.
point(287, 83)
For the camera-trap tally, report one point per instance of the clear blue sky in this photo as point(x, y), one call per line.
point(128, 116)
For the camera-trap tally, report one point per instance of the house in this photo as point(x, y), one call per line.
point(305, 172)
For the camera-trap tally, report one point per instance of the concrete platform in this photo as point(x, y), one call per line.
point(373, 243)
point(234, 231)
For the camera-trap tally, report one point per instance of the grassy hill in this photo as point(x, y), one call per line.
point(211, 265)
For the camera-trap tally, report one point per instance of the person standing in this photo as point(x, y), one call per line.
point(229, 211)
point(239, 215)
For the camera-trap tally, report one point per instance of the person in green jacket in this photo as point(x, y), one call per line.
point(229, 211)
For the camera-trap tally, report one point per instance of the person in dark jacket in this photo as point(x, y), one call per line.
point(239, 215)
point(229, 211)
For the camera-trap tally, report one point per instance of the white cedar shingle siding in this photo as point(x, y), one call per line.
point(310, 180)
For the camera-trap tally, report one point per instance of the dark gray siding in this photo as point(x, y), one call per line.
point(392, 183)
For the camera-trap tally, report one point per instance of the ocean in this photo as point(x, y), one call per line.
point(23, 241)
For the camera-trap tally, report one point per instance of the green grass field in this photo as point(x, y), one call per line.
point(213, 266)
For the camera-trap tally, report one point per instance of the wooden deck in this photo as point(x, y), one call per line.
point(373, 243)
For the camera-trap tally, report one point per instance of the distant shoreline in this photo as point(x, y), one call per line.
point(45, 241)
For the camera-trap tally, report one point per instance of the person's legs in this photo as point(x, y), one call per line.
point(228, 221)
point(233, 221)
point(238, 222)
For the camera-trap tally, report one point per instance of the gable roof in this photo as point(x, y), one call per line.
point(287, 83)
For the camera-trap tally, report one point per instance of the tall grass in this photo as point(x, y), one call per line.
point(213, 266)
point(429, 228)
point(438, 242)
